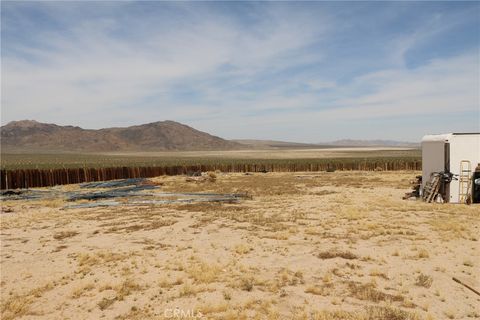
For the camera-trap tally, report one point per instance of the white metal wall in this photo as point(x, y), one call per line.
point(462, 147)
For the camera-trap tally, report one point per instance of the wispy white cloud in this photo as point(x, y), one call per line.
point(87, 70)
point(282, 69)
point(442, 86)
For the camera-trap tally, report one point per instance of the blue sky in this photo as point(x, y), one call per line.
point(295, 71)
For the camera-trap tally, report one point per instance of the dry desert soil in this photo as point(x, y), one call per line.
point(340, 245)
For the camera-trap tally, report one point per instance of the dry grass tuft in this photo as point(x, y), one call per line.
point(126, 288)
point(319, 290)
point(64, 234)
point(377, 273)
point(423, 254)
point(370, 313)
point(16, 307)
point(337, 254)
point(149, 225)
point(212, 176)
point(243, 248)
point(424, 280)
point(203, 272)
point(105, 303)
point(89, 260)
point(80, 291)
point(19, 305)
point(122, 290)
point(246, 283)
point(351, 213)
point(389, 313)
point(165, 283)
point(449, 227)
point(187, 290)
point(137, 314)
point(211, 308)
point(369, 293)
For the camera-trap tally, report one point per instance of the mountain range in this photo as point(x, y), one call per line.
point(33, 136)
point(30, 135)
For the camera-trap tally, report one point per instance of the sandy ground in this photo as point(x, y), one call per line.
point(337, 245)
point(296, 153)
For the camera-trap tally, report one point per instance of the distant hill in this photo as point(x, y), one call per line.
point(373, 143)
point(30, 135)
point(273, 144)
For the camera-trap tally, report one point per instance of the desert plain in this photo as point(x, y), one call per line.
point(316, 245)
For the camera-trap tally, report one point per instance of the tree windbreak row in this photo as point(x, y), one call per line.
point(30, 178)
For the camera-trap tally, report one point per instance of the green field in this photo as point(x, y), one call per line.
point(12, 161)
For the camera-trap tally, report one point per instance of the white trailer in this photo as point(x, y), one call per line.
point(445, 152)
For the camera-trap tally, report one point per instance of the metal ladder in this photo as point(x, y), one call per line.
point(465, 182)
point(430, 191)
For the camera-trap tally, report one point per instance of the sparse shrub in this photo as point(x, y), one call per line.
point(377, 273)
point(368, 292)
point(16, 306)
point(423, 254)
point(126, 288)
point(327, 278)
point(298, 278)
point(64, 234)
point(97, 258)
point(187, 290)
point(337, 254)
point(390, 313)
point(105, 303)
point(212, 176)
point(77, 293)
point(370, 313)
point(319, 291)
point(227, 295)
point(246, 283)
point(243, 248)
point(352, 266)
point(424, 280)
point(203, 272)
